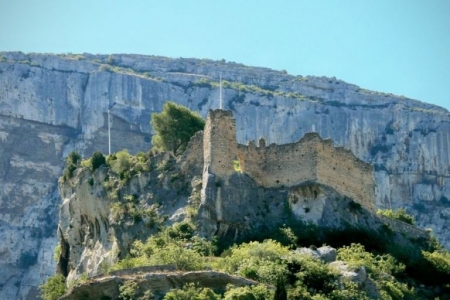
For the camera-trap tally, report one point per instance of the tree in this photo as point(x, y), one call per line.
point(71, 164)
point(97, 160)
point(174, 127)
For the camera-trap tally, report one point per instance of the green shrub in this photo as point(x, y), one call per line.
point(97, 160)
point(312, 273)
point(165, 166)
point(130, 262)
point(73, 158)
point(256, 292)
point(121, 163)
point(258, 261)
point(287, 237)
point(237, 167)
point(202, 246)
point(440, 260)
point(399, 214)
point(53, 288)
point(355, 255)
point(168, 247)
point(280, 288)
point(57, 252)
point(191, 292)
point(72, 161)
point(178, 255)
point(349, 291)
point(106, 68)
point(181, 230)
point(128, 290)
point(378, 267)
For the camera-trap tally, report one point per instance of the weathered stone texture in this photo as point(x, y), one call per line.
point(341, 170)
point(309, 159)
point(157, 282)
point(192, 158)
point(220, 146)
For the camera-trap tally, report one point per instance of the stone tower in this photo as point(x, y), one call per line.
point(219, 143)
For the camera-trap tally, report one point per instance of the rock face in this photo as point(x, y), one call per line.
point(100, 218)
point(104, 212)
point(107, 287)
point(50, 105)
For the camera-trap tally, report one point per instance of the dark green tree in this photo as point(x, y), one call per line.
point(73, 158)
point(71, 164)
point(97, 160)
point(280, 291)
point(174, 127)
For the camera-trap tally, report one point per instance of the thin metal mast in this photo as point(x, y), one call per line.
point(109, 135)
point(220, 92)
point(109, 127)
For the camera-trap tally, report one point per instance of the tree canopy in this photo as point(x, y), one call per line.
point(174, 127)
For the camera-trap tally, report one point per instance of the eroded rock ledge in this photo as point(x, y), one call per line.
point(159, 282)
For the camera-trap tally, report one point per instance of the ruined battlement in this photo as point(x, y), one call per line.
point(309, 159)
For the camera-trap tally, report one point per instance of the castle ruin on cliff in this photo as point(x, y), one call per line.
point(309, 160)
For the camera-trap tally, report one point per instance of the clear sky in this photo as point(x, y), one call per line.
point(393, 46)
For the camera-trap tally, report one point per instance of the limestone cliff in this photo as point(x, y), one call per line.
point(52, 104)
point(104, 211)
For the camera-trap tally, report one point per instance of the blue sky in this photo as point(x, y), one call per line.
point(393, 46)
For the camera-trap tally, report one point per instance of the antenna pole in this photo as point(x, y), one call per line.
point(109, 135)
point(220, 92)
point(109, 127)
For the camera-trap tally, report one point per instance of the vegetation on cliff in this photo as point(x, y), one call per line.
point(53, 288)
point(274, 259)
point(364, 260)
point(304, 276)
point(174, 127)
point(399, 214)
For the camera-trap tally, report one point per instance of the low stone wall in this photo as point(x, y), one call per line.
point(407, 230)
point(140, 270)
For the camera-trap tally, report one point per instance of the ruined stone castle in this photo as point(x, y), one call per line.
point(309, 160)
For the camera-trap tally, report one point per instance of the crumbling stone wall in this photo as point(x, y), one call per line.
point(280, 165)
point(191, 161)
point(408, 230)
point(340, 169)
point(219, 142)
point(309, 159)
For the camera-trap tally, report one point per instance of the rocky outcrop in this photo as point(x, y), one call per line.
point(101, 215)
point(159, 283)
point(52, 104)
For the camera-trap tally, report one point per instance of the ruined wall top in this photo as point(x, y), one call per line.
point(309, 159)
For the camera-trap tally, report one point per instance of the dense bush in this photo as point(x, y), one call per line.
point(191, 292)
point(53, 288)
point(254, 260)
point(399, 214)
point(122, 162)
point(97, 160)
point(256, 292)
point(128, 290)
point(72, 161)
point(439, 259)
point(172, 246)
point(381, 269)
